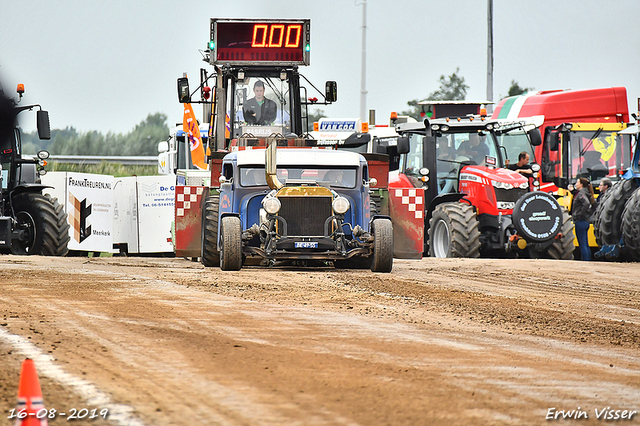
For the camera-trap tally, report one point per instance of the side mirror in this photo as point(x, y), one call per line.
point(44, 128)
point(535, 137)
point(552, 139)
point(331, 91)
point(183, 90)
point(403, 145)
point(163, 146)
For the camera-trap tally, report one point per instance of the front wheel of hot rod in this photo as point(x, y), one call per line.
point(231, 235)
point(44, 226)
point(382, 258)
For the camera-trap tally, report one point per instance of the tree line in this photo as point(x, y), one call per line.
point(141, 141)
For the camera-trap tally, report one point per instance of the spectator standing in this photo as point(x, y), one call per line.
point(581, 211)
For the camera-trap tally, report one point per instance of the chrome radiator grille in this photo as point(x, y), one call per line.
point(305, 216)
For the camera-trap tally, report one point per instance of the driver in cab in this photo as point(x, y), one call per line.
point(259, 110)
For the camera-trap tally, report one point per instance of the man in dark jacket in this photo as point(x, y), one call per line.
point(259, 110)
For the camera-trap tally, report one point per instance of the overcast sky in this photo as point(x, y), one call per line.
point(106, 65)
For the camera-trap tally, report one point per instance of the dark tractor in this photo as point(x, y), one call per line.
point(30, 222)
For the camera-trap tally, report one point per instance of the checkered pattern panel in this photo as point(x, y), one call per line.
point(186, 196)
point(413, 199)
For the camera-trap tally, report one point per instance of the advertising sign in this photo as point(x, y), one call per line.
point(156, 200)
point(90, 211)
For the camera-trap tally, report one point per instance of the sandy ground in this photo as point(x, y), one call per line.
point(436, 342)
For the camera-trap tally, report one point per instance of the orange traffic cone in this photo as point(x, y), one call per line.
point(30, 410)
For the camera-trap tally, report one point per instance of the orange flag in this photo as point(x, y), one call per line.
point(190, 127)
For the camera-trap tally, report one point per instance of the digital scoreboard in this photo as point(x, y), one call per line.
point(260, 42)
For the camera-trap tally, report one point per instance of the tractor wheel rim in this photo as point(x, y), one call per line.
point(441, 239)
point(28, 224)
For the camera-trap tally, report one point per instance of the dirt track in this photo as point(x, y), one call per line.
point(436, 342)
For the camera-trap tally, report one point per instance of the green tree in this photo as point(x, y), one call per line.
point(516, 90)
point(452, 88)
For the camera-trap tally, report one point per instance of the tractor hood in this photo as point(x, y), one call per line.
point(495, 176)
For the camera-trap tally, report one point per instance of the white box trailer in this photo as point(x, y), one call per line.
point(107, 214)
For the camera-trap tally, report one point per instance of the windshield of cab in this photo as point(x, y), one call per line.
point(465, 147)
point(597, 154)
point(515, 142)
point(261, 107)
point(327, 176)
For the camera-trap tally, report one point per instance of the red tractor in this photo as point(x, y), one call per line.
point(473, 205)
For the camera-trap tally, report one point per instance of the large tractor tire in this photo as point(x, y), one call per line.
point(231, 236)
point(609, 222)
point(382, 258)
point(209, 255)
point(454, 231)
point(562, 248)
point(596, 216)
point(44, 222)
point(631, 227)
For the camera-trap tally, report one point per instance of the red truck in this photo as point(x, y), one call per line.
point(580, 133)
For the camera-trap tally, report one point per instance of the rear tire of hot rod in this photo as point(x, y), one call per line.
point(454, 231)
point(382, 258)
point(209, 254)
point(231, 235)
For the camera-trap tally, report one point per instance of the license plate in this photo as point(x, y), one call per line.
point(306, 244)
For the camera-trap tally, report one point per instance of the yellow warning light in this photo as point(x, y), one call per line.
point(316, 126)
point(365, 127)
point(394, 115)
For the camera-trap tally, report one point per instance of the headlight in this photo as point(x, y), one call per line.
point(501, 185)
point(271, 205)
point(535, 167)
point(505, 205)
point(424, 171)
point(340, 205)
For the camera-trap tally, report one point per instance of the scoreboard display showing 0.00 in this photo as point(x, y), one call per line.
point(260, 42)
